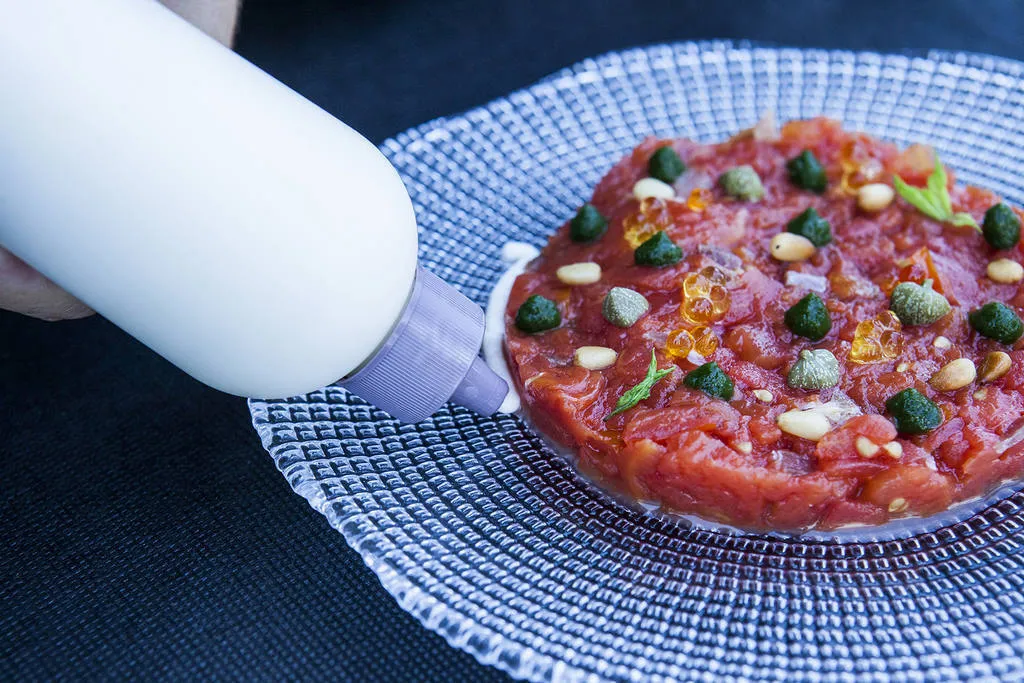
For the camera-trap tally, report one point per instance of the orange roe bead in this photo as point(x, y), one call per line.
point(705, 298)
point(719, 296)
point(700, 198)
point(679, 343)
point(696, 286)
point(714, 275)
point(878, 339)
point(698, 309)
point(650, 218)
point(705, 341)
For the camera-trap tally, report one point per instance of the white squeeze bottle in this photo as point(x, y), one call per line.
point(230, 225)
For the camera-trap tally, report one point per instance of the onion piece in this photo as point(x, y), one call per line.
point(1011, 440)
point(767, 128)
point(724, 259)
point(815, 283)
point(692, 179)
point(837, 410)
point(792, 462)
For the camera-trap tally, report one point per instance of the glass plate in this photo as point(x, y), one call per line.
point(487, 537)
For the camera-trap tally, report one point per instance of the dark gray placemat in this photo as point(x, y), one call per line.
point(145, 532)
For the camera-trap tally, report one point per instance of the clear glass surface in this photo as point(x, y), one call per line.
point(489, 538)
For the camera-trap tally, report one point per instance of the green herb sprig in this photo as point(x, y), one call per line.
point(641, 390)
point(933, 200)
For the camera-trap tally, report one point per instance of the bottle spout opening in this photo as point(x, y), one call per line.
point(481, 390)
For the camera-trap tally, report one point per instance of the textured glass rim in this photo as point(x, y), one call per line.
point(460, 631)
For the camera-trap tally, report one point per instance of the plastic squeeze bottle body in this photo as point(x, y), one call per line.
point(217, 216)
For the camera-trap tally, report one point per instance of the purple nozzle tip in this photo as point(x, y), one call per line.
point(430, 358)
point(481, 390)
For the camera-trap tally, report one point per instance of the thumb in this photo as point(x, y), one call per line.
point(25, 290)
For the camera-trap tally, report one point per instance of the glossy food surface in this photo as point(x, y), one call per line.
point(728, 460)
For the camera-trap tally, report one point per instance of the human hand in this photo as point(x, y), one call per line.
point(23, 289)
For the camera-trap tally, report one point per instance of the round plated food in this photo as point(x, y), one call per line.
point(795, 328)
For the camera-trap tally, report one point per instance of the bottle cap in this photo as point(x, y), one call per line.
point(430, 357)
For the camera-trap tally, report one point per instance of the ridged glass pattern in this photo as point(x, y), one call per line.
point(492, 540)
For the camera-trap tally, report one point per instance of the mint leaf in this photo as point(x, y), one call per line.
point(933, 201)
point(641, 390)
point(937, 188)
point(963, 219)
point(920, 199)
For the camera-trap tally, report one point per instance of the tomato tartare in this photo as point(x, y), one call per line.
point(795, 328)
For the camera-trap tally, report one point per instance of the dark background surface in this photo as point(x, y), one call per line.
point(145, 533)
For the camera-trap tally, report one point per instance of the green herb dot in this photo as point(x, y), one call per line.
point(811, 225)
point(710, 379)
point(743, 183)
point(809, 318)
point(996, 320)
point(537, 314)
point(805, 171)
point(1001, 227)
point(665, 165)
point(916, 304)
point(913, 413)
point(587, 225)
point(657, 251)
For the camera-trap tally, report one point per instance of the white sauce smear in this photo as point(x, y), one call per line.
point(517, 255)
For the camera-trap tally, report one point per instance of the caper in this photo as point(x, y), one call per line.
point(815, 370)
point(743, 183)
point(622, 307)
point(916, 304)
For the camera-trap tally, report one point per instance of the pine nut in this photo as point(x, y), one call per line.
point(787, 246)
point(898, 505)
point(595, 357)
point(652, 187)
point(902, 367)
point(579, 274)
point(866, 447)
point(995, 365)
point(744, 447)
point(806, 424)
point(942, 343)
point(874, 197)
point(954, 375)
point(894, 449)
point(980, 394)
point(763, 395)
point(1005, 271)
